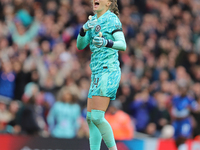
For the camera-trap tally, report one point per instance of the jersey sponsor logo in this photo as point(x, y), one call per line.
point(98, 28)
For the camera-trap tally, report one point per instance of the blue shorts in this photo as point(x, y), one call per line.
point(105, 84)
point(183, 128)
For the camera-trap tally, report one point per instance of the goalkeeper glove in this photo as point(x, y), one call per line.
point(89, 24)
point(102, 42)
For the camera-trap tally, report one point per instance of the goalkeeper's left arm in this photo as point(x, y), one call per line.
point(119, 42)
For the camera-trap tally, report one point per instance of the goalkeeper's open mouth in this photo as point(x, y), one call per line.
point(96, 4)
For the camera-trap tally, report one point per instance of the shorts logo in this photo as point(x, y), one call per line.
point(98, 28)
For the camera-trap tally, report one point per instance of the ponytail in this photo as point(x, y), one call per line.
point(114, 7)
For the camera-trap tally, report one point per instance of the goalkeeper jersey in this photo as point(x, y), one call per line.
point(104, 57)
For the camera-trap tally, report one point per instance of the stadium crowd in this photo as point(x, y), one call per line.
point(44, 78)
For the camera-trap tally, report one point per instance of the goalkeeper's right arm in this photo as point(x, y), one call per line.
point(83, 37)
point(82, 40)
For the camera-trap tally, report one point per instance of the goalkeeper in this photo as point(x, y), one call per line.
point(105, 68)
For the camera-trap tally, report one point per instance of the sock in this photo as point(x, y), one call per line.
point(113, 148)
point(95, 135)
point(104, 127)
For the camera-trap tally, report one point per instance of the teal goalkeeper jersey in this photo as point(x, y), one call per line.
point(104, 57)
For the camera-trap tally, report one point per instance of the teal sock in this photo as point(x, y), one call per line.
point(104, 127)
point(95, 135)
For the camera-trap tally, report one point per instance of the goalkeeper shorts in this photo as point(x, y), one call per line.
point(105, 84)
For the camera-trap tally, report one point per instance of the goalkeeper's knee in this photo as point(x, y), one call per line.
point(97, 116)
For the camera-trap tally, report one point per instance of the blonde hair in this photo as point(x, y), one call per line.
point(114, 7)
point(62, 91)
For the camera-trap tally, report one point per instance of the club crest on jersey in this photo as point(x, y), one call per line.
point(98, 28)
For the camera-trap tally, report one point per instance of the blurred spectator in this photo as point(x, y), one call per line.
point(31, 89)
point(5, 116)
point(197, 121)
point(13, 125)
point(121, 123)
point(7, 80)
point(182, 104)
point(141, 106)
point(20, 34)
point(22, 78)
point(31, 120)
point(159, 116)
point(47, 100)
point(125, 96)
point(64, 117)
